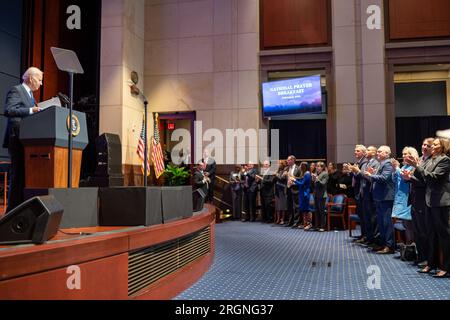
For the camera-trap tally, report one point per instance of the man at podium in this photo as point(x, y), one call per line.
point(20, 103)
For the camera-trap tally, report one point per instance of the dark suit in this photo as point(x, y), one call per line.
point(320, 196)
point(236, 194)
point(418, 211)
point(333, 181)
point(267, 195)
point(250, 190)
point(211, 170)
point(383, 191)
point(368, 204)
point(292, 196)
point(436, 177)
point(437, 196)
point(356, 182)
point(17, 106)
point(200, 182)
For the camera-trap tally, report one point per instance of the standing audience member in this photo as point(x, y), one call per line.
point(370, 216)
point(201, 181)
point(312, 171)
point(383, 195)
point(250, 192)
point(402, 209)
point(280, 194)
point(345, 183)
point(304, 191)
point(266, 180)
point(291, 171)
point(236, 192)
point(436, 177)
point(210, 172)
point(417, 201)
point(333, 177)
point(320, 196)
point(361, 163)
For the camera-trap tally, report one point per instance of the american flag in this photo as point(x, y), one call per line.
point(141, 149)
point(157, 154)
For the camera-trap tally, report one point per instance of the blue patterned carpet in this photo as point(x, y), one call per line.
point(256, 261)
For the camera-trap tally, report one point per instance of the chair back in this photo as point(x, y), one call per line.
point(337, 204)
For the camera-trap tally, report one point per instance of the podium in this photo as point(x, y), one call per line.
point(45, 137)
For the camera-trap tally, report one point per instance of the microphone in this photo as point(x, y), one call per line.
point(64, 99)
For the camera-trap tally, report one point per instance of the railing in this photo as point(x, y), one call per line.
point(5, 181)
point(221, 194)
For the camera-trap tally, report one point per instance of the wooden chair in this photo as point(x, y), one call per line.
point(353, 218)
point(336, 209)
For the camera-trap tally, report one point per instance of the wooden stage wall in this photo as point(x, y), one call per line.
point(101, 262)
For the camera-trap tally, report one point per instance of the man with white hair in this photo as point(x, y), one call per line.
point(383, 191)
point(360, 165)
point(19, 104)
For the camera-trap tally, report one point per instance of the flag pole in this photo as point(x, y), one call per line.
point(145, 142)
point(137, 91)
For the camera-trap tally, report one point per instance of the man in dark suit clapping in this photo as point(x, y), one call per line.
point(20, 103)
point(437, 196)
point(291, 171)
point(383, 191)
point(266, 191)
point(250, 190)
point(210, 172)
point(201, 181)
point(417, 201)
point(361, 162)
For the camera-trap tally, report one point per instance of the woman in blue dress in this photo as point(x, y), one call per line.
point(401, 210)
point(304, 189)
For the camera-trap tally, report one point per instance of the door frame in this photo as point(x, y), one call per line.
point(190, 115)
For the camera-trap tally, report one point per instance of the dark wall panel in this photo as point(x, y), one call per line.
point(421, 99)
point(305, 139)
point(418, 19)
point(10, 56)
point(294, 23)
point(11, 17)
point(412, 131)
point(45, 23)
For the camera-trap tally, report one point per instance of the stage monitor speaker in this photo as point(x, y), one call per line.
point(198, 200)
point(109, 155)
point(176, 203)
point(34, 221)
point(130, 206)
point(80, 205)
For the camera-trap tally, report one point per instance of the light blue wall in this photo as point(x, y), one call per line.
point(10, 55)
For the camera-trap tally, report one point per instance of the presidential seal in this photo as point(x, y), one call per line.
point(75, 126)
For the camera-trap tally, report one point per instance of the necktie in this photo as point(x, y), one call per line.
point(33, 101)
